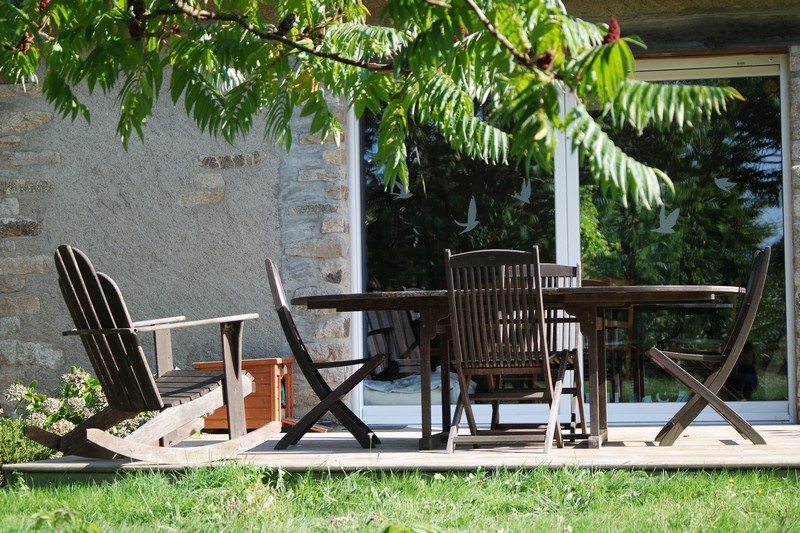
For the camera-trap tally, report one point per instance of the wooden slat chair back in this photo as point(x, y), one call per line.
point(392, 333)
point(498, 328)
point(722, 364)
point(181, 397)
point(95, 303)
point(564, 334)
point(330, 398)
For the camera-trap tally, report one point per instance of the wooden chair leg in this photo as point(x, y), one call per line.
point(715, 402)
point(332, 402)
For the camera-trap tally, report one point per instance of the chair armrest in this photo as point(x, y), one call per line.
point(347, 362)
point(89, 332)
point(153, 322)
point(192, 323)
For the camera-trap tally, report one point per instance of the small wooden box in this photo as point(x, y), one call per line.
point(264, 403)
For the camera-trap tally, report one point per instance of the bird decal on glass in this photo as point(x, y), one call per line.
point(472, 213)
point(404, 193)
point(524, 194)
point(667, 223)
point(724, 183)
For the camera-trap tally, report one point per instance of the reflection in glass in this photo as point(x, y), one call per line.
point(727, 202)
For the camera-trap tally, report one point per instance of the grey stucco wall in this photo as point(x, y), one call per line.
point(182, 222)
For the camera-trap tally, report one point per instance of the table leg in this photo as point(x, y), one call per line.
point(429, 318)
point(596, 373)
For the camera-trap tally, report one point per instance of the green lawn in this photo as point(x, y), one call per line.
point(249, 499)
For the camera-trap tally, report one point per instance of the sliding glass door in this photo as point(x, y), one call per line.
point(730, 197)
point(728, 201)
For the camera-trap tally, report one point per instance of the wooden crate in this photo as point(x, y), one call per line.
point(264, 403)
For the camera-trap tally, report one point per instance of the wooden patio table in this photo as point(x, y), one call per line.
point(587, 304)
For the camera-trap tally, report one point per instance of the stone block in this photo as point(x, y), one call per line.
point(19, 227)
point(26, 159)
point(318, 248)
point(335, 157)
point(321, 174)
point(195, 198)
point(19, 306)
point(10, 326)
point(321, 351)
point(333, 328)
point(336, 225)
point(23, 186)
point(316, 138)
point(334, 276)
point(10, 90)
point(17, 121)
point(337, 192)
point(18, 353)
point(233, 161)
point(10, 141)
point(9, 207)
point(11, 283)
point(315, 209)
point(37, 264)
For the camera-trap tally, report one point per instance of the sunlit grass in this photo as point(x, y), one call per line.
point(249, 499)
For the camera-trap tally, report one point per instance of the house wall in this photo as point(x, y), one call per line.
point(182, 222)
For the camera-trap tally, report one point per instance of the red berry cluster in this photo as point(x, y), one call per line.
point(43, 5)
point(613, 32)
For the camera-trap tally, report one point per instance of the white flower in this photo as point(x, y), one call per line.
point(37, 419)
point(76, 404)
point(51, 405)
point(62, 427)
point(15, 392)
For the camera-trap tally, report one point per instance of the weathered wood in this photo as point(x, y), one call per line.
point(112, 342)
point(330, 399)
point(497, 317)
point(721, 365)
point(185, 455)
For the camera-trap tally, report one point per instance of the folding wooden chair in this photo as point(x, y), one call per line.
point(498, 330)
point(721, 365)
point(330, 399)
point(112, 342)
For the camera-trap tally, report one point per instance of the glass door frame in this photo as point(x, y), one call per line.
point(568, 249)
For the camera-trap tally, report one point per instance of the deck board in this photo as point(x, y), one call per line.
point(700, 447)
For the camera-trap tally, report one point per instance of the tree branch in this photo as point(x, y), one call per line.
point(202, 14)
point(524, 59)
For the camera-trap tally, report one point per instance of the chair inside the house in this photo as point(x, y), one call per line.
point(330, 397)
point(564, 335)
point(499, 332)
point(623, 359)
point(719, 365)
point(391, 332)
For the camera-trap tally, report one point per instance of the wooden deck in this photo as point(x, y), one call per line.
point(701, 447)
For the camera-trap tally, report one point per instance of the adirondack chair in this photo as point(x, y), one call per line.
point(721, 365)
point(498, 321)
point(112, 342)
point(330, 399)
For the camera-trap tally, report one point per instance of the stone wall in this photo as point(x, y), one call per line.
point(315, 238)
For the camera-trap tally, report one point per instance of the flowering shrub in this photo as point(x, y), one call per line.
point(79, 397)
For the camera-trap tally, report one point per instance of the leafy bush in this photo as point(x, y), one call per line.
point(80, 397)
point(15, 447)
